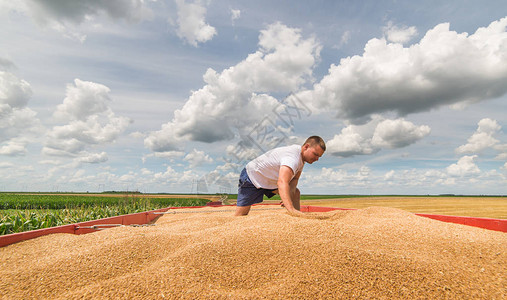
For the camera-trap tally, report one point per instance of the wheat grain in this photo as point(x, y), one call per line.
point(379, 253)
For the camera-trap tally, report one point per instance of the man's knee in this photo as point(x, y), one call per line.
point(242, 210)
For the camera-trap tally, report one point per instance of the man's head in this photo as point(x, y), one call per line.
point(313, 149)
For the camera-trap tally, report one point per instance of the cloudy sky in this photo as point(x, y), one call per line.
point(177, 95)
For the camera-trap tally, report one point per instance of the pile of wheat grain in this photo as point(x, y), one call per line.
point(379, 253)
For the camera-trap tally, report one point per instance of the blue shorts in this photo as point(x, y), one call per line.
point(248, 194)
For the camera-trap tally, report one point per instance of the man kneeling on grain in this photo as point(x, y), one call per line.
point(277, 172)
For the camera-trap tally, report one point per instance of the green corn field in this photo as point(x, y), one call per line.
point(24, 212)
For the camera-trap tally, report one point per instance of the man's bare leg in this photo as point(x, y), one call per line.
point(242, 210)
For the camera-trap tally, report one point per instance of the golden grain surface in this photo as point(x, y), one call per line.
point(371, 253)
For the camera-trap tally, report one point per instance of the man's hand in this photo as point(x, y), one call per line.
point(295, 213)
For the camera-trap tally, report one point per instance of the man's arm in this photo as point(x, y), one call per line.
point(285, 185)
point(294, 182)
point(294, 192)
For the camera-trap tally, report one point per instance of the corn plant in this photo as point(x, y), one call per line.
point(23, 212)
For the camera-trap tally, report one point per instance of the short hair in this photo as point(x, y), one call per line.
point(316, 140)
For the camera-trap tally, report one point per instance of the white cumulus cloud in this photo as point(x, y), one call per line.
point(482, 138)
point(444, 68)
point(192, 26)
point(389, 175)
point(14, 147)
point(172, 176)
point(94, 158)
point(84, 99)
point(377, 134)
point(238, 97)
point(169, 155)
point(197, 158)
point(14, 92)
point(465, 166)
point(341, 177)
point(18, 123)
point(89, 121)
point(399, 34)
point(398, 133)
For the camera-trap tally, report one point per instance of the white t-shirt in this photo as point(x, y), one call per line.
point(263, 171)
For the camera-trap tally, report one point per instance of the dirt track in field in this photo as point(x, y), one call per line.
point(372, 253)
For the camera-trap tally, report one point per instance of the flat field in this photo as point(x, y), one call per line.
point(485, 207)
point(476, 206)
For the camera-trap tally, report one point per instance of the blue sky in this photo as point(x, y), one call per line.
point(176, 96)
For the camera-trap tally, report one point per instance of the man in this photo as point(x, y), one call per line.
point(277, 172)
